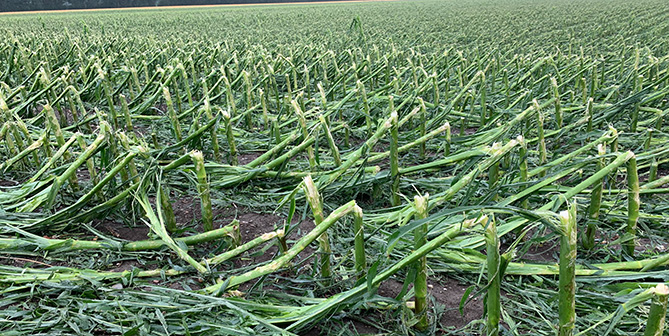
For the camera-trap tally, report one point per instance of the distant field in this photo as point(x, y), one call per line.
point(363, 167)
point(184, 7)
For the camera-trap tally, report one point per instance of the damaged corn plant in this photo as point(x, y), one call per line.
point(387, 168)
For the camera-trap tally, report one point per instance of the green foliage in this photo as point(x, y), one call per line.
point(214, 117)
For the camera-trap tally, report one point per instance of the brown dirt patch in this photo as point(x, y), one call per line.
point(544, 252)
point(252, 225)
point(353, 326)
point(468, 131)
point(65, 112)
point(8, 183)
point(121, 231)
point(247, 158)
point(83, 175)
point(123, 266)
point(187, 209)
point(447, 292)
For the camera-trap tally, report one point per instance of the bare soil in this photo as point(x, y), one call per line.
point(8, 183)
point(468, 131)
point(122, 231)
point(447, 292)
point(248, 157)
point(547, 252)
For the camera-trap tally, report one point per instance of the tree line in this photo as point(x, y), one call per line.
point(30, 5)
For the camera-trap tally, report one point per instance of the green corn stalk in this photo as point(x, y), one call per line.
point(359, 242)
point(493, 308)
point(652, 172)
point(249, 98)
point(658, 311)
point(154, 140)
point(493, 173)
point(23, 129)
point(323, 308)
point(285, 258)
point(522, 153)
point(558, 108)
point(131, 165)
point(71, 170)
point(305, 133)
point(176, 126)
point(156, 224)
point(354, 156)
point(435, 89)
point(263, 103)
point(31, 148)
point(635, 112)
point(184, 78)
point(540, 133)
point(421, 125)
point(54, 158)
point(484, 109)
point(633, 205)
point(232, 106)
point(203, 190)
point(55, 246)
point(595, 203)
point(649, 139)
point(590, 114)
point(420, 284)
point(276, 130)
point(110, 100)
point(55, 128)
point(126, 114)
point(230, 137)
point(168, 211)
point(20, 145)
point(331, 142)
point(567, 279)
point(314, 199)
point(365, 107)
point(394, 159)
point(323, 96)
point(447, 139)
point(213, 132)
point(73, 107)
point(217, 260)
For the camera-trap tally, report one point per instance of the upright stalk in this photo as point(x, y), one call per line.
point(231, 139)
point(174, 119)
point(595, 203)
point(359, 231)
point(447, 140)
point(203, 191)
point(567, 280)
point(493, 305)
point(420, 284)
point(314, 199)
point(394, 158)
point(558, 108)
point(633, 205)
point(168, 211)
point(523, 166)
point(658, 311)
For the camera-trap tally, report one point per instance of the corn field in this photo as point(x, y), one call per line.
point(480, 167)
